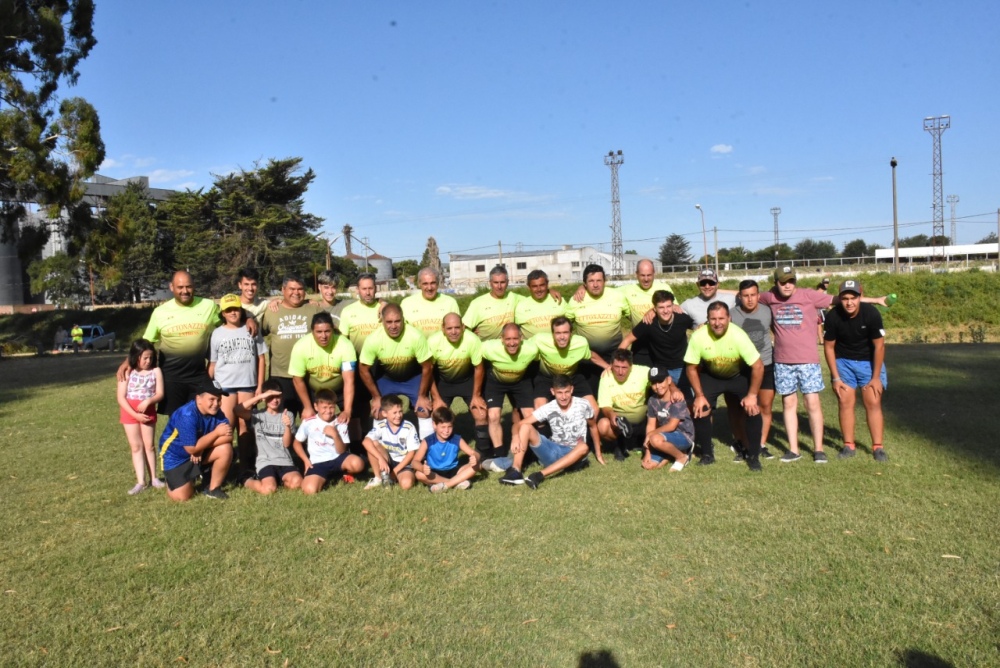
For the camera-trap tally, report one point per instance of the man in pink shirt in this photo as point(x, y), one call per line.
point(796, 357)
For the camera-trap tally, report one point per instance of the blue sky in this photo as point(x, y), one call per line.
point(479, 122)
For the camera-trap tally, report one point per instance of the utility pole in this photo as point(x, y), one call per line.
point(715, 235)
point(775, 211)
point(895, 220)
point(614, 161)
point(704, 237)
point(936, 125)
point(500, 253)
point(953, 200)
point(367, 250)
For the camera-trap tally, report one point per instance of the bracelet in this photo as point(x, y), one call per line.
point(834, 380)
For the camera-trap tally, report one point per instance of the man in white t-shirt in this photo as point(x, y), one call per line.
point(569, 417)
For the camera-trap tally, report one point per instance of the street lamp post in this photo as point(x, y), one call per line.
point(704, 236)
point(895, 221)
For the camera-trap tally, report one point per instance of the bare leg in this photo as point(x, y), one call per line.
point(496, 431)
point(846, 401)
point(765, 399)
point(134, 435)
point(815, 419)
point(873, 408)
point(220, 457)
point(789, 406)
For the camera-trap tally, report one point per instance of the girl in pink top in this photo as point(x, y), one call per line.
point(137, 397)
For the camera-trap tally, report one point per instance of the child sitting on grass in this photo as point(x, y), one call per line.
point(390, 445)
point(669, 428)
point(328, 455)
point(197, 435)
point(272, 428)
point(436, 462)
point(137, 397)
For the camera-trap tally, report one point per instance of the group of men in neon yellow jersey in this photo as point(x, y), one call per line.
point(571, 372)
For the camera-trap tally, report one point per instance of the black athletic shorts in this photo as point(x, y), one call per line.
point(520, 393)
point(451, 391)
point(277, 472)
point(327, 470)
point(768, 382)
point(178, 391)
point(181, 475)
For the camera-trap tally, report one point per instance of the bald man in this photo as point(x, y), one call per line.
point(459, 373)
point(183, 329)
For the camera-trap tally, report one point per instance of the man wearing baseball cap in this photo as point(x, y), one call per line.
point(708, 292)
point(197, 435)
point(796, 359)
point(854, 346)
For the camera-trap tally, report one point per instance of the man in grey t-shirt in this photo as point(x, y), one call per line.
point(755, 320)
point(708, 292)
point(569, 417)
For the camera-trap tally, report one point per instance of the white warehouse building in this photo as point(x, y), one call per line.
point(562, 265)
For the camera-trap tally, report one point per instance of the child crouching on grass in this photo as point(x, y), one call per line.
point(272, 428)
point(436, 462)
point(137, 397)
point(669, 428)
point(390, 445)
point(326, 439)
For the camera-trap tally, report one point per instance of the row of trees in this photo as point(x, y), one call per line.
point(250, 218)
point(676, 250)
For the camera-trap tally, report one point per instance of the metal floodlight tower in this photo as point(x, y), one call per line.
point(614, 160)
point(953, 200)
point(775, 211)
point(936, 125)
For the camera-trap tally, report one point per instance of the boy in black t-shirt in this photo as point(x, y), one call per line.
point(854, 345)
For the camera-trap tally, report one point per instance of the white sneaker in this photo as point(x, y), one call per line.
point(439, 487)
point(465, 484)
point(374, 483)
point(492, 466)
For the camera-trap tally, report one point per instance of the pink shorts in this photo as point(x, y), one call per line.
point(126, 418)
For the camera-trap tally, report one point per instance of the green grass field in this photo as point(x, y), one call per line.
point(848, 564)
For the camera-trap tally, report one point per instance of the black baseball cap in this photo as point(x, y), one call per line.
point(208, 386)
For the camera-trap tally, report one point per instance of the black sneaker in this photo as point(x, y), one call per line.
point(880, 455)
point(790, 456)
point(753, 463)
point(820, 458)
point(739, 458)
point(534, 480)
point(215, 494)
point(765, 453)
point(846, 453)
point(624, 426)
point(620, 455)
point(706, 460)
point(512, 477)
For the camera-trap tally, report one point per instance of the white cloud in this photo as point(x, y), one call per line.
point(757, 169)
point(821, 179)
point(144, 162)
point(474, 192)
point(722, 149)
point(168, 175)
point(109, 163)
point(187, 185)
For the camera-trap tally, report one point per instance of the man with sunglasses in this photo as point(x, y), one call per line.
point(708, 292)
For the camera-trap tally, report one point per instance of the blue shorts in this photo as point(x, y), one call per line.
point(407, 388)
point(328, 469)
point(674, 438)
point(855, 374)
point(548, 451)
point(276, 472)
point(788, 378)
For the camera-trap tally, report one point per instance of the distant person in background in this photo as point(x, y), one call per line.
point(137, 397)
point(76, 334)
point(62, 336)
point(855, 353)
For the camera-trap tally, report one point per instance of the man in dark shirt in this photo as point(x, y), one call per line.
point(661, 343)
point(854, 345)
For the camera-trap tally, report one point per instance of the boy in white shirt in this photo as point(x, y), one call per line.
point(328, 455)
point(391, 445)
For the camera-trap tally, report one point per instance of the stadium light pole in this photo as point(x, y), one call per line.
point(704, 236)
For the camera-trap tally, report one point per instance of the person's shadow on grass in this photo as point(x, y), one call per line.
point(914, 658)
point(602, 658)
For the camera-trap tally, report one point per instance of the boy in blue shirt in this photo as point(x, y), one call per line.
point(197, 435)
point(436, 462)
